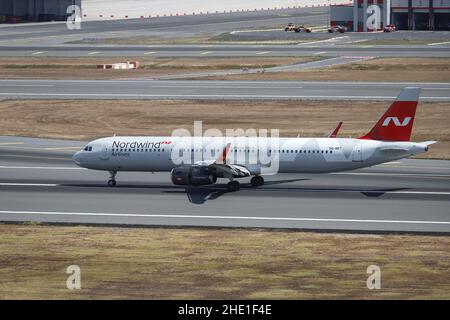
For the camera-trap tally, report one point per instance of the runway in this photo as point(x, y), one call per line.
point(220, 90)
point(38, 182)
point(230, 50)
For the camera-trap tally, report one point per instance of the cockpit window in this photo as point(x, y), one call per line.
point(87, 148)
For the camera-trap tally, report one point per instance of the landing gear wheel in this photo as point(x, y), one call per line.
point(257, 181)
point(112, 178)
point(233, 186)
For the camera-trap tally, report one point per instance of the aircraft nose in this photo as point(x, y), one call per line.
point(77, 158)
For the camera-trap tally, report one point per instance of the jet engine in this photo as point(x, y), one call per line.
point(192, 176)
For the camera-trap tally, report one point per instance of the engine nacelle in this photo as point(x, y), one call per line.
point(192, 176)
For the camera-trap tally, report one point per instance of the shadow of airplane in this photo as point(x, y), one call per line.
point(199, 195)
point(202, 194)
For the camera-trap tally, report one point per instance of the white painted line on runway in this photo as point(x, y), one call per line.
point(150, 52)
point(413, 167)
point(421, 192)
point(416, 175)
point(205, 52)
point(93, 53)
point(37, 53)
point(16, 184)
point(103, 214)
point(10, 143)
point(438, 43)
point(63, 148)
point(29, 184)
point(262, 52)
point(321, 52)
point(28, 85)
point(321, 97)
point(224, 87)
point(42, 168)
point(34, 157)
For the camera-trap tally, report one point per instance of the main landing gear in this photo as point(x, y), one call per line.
point(234, 185)
point(112, 178)
point(257, 181)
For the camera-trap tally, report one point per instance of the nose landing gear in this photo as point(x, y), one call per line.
point(112, 178)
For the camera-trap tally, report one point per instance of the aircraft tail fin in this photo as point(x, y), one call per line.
point(397, 122)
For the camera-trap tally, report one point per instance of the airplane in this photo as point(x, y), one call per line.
point(205, 159)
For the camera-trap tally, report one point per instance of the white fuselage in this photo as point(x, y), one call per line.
point(286, 155)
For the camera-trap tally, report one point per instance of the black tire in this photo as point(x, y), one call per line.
point(257, 181)
point(233, 186)
point(112, 183)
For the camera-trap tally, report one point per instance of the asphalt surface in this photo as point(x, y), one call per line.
point(231, 50)
point(222, 90)
point(54, 39)
point(162, 27)
point(38, 182)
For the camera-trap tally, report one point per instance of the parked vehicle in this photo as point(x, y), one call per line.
point(337, 28)
point(297, 28)
point(389, 28)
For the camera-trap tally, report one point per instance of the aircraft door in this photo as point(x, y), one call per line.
point(105, 152)
point(357, 153)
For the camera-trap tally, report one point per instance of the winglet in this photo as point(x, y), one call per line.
point(223, 157)
point(334, 133)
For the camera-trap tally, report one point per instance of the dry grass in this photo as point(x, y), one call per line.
point(380, 69)
point(154, 263)
point(151, 67)
point(88, 119)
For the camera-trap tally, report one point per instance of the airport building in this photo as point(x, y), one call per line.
point(13, 11)
point(368, 15)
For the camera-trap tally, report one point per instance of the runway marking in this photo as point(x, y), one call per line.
point(63, 148)
point(416, 175)
point(263, 52)
point(34, 157)
point(29, 184)
point(438, 43)
point(24, 184)
point(243, 96)
point(10, 143)
point(93, 53)
point(100, 214)
point(150, 52)
point(321, 52)
point(28, 85)
point(224, 87)
point(413, 167)
point(42, 168)
point(37, 53)
point(205, 52)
